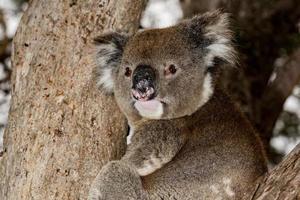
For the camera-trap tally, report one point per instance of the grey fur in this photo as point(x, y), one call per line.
point(201, 146)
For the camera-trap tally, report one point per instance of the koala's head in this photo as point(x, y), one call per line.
point(165, 73)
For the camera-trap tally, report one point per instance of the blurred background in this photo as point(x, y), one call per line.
point(266, 85)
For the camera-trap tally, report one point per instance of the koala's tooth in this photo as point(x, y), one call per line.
point(136, 94)
point(150, 90)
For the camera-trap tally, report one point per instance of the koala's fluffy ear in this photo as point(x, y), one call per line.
point(109, 51)
point(211, 32)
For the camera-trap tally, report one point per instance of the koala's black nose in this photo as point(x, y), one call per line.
point(143, 83)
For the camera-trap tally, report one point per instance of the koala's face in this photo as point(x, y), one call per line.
point(160, 77)
point(164, 73)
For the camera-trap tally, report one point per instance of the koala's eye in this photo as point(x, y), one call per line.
point(128, 72)
point(171, 69)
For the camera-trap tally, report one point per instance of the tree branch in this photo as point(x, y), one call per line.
point(287, 77)
point(282, 182)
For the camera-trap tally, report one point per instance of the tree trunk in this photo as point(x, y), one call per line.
point(283, 183)
point(61, 129)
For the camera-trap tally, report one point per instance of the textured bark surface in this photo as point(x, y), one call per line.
point(283, 183)
point(61, 129)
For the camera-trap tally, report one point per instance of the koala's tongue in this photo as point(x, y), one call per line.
point(152, 109)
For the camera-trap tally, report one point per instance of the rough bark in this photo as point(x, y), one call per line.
point(283, 182)
point(61, 129)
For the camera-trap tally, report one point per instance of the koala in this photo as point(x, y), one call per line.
point(189, 140)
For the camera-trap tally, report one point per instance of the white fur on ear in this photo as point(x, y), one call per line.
point(105, 69)
point(109, 50)
point(106, 80)
point(223, 49)
point(219, 32)
point(214, 28)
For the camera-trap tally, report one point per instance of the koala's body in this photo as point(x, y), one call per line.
point(190, 142)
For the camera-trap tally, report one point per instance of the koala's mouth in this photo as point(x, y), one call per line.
point(146, 102)
point(143, 95)
point(151, 109)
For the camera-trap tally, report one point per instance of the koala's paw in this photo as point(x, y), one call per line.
point(117, 180)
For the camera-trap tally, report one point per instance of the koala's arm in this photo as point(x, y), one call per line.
point(117, 180)
point(153, 145)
